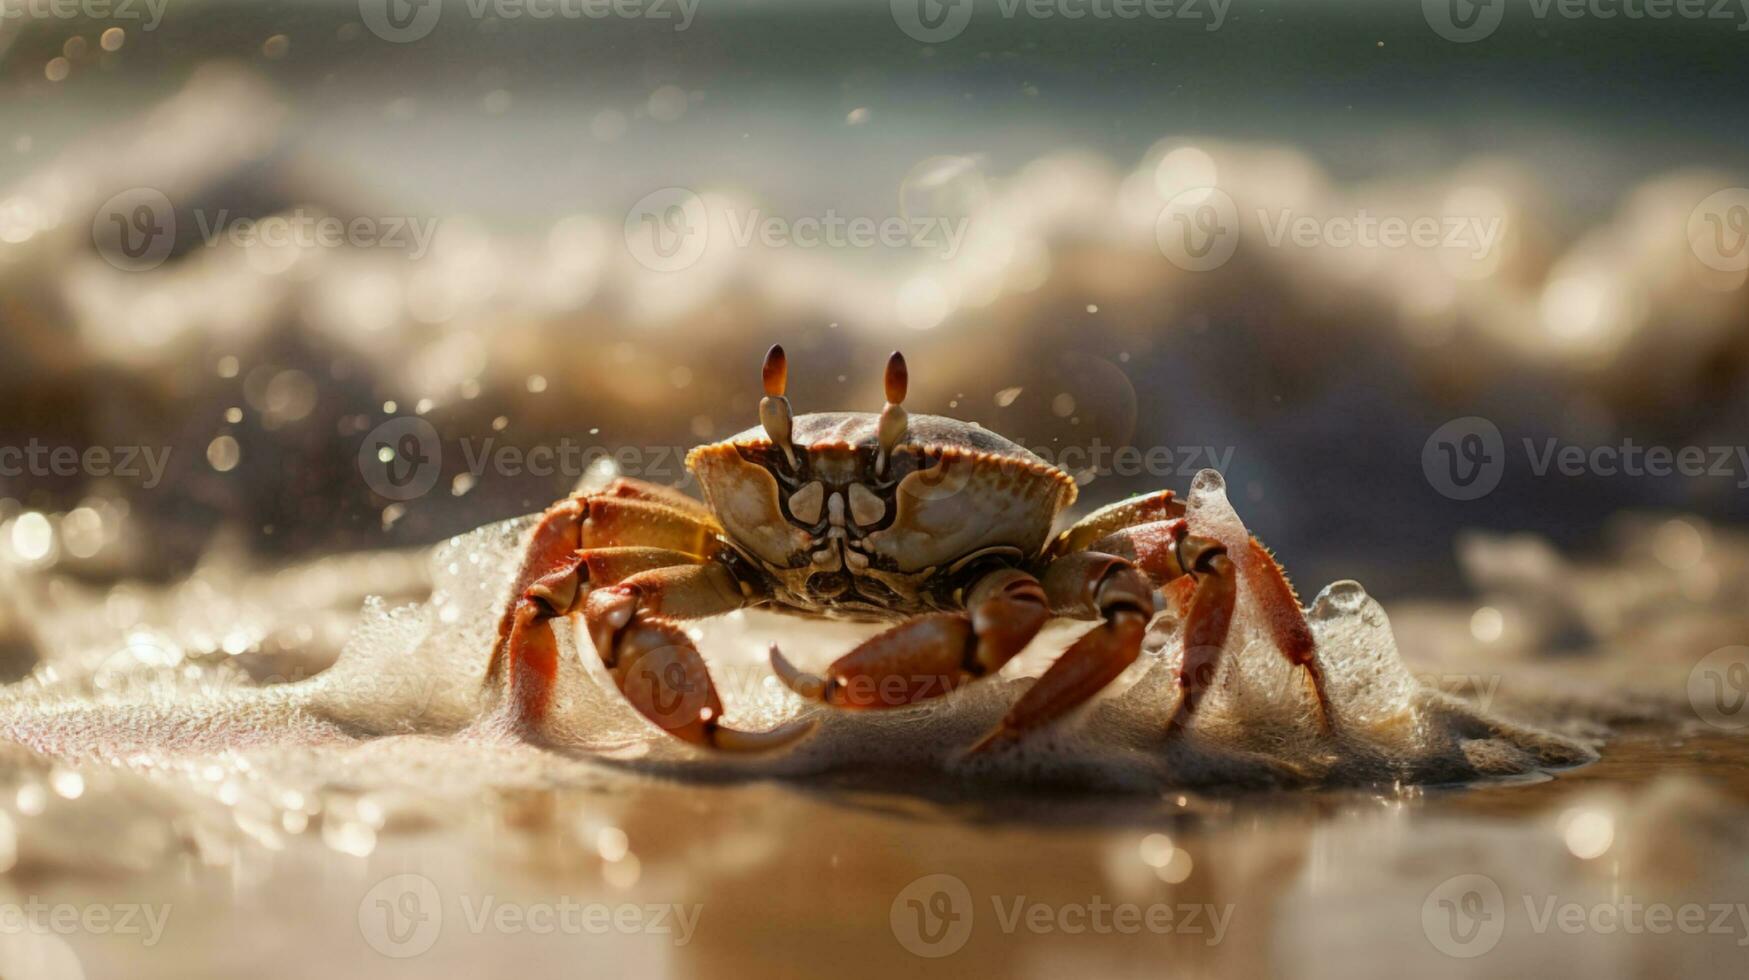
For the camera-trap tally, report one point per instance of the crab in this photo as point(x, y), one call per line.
point(937, 524)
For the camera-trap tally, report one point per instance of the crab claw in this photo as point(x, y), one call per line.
point(663, 676)
point(919, 659)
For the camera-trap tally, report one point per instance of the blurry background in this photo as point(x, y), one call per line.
point(541, 153)
point(289, 291)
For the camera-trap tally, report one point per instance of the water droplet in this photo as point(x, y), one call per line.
point(1344, 598)
point(1208, 481)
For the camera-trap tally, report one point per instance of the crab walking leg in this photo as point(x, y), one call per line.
point(595, 522)
point(1146, 509)
point(526, 647)
point(1169, 552)
point(656, 493)
point(655, 664)
point(552, 545)
point(1085, 585)
point(930, 655)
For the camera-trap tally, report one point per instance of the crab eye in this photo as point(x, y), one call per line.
point(865, 507)
point(805, 503)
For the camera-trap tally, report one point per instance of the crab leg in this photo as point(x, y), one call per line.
point(930, 655)
point(1169, 553)
point(637, 592)
point(1145, 509)
point(656, 493)
point(1085, 585)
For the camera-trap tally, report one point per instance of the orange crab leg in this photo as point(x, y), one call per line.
point(930, 655)
point(1210, 616)
point(551, 546)
point(1170, 554)
point(1145, 509)
point(1085, 585)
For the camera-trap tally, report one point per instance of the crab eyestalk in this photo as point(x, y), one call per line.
point(774, 410)
point(893, 418)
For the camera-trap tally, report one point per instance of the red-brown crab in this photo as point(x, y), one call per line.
point(928, 520)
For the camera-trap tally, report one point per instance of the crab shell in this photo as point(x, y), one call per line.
point(838, 514)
